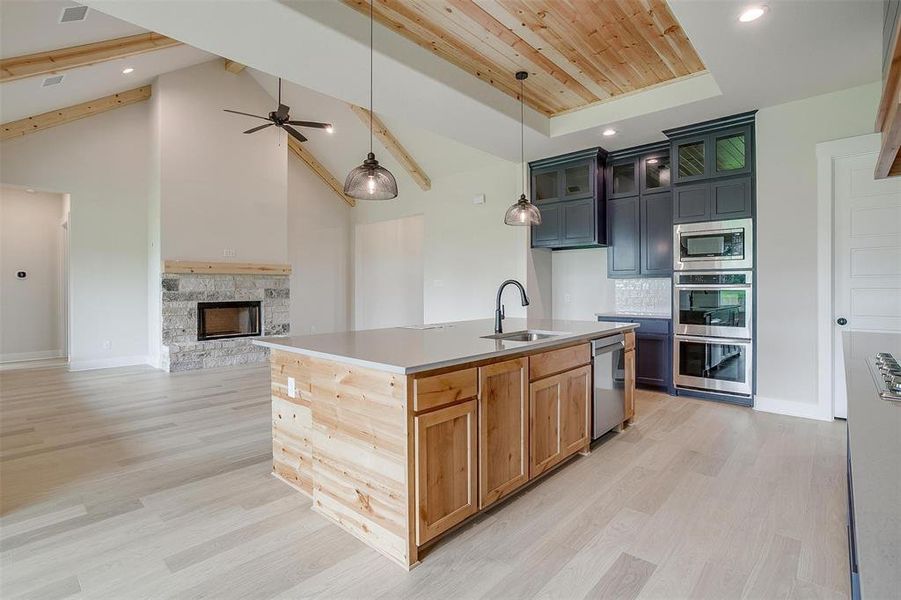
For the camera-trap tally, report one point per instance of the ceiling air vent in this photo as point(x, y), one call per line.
point(52, 80)
point(73, 13)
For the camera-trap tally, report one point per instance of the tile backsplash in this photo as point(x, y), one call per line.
point(644, 295)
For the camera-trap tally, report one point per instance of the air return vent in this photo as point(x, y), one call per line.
point(73, 13)
point(52, 80)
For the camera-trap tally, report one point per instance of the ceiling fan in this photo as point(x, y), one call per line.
point(280, 118)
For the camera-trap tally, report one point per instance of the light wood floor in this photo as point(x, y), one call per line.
point(133, 483)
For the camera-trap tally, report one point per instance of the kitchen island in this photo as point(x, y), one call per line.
point(399, 435)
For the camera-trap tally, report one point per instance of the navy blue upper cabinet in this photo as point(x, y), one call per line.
point(720, 148)
point(569, 191)
point(640, 212)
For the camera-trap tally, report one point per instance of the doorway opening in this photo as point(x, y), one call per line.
point(34, 277)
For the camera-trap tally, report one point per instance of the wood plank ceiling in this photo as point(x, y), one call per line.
point(577, 52)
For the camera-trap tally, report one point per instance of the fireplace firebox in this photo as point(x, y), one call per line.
point(222, 320)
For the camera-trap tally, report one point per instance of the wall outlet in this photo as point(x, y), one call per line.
point(312, 329)
point(228, 253)
point(107, 345)
point(567, 298)
point(480, 199)
point(292, 388)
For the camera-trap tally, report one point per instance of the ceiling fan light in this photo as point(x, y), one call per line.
point(523, 213)
point(370, 181)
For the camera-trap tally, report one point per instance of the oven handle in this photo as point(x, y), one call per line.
point(715, 340)
point(701, 286)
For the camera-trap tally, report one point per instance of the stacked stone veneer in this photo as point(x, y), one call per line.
point(180, 350)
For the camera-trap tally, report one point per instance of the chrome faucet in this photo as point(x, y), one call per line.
point(499, 311)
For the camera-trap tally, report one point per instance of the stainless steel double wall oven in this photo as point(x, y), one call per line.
point(713, 306)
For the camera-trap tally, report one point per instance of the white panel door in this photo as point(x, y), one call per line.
point(867, 258)
point(388, 273)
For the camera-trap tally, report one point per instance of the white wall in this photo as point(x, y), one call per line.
point(219, 188)
point(32, 240)
point(319, 251)
point(468, 251)
point(388, 273)
point(787, 238)
point(103, 162)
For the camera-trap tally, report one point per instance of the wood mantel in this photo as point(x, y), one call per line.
point(224, 268)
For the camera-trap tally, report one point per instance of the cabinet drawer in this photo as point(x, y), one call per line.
point(446, 388)
point(557, 361)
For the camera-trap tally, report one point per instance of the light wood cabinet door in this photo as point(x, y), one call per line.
point(629, 363)
point(559, 418)
point(503, 429)
point(574, 416)
point(544, 424)
point(446, 463)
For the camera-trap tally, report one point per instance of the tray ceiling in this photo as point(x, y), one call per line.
point(577, 52)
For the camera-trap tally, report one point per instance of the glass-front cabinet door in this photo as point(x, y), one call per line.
point(731, 152)
point(623, 178)
point(578, 180)
point(690, 158)
point(655, 172)
point(546, 185)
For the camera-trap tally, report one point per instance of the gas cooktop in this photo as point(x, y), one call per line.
point(886, 372)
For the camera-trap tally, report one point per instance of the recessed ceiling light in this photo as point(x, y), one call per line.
point(128, 70)
point(652, 161)
point(29, 190)
point(330, 129)
point(608, 132)
point(752, 13)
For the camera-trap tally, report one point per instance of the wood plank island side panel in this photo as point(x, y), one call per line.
point(361, 454)
point(292, 421)
point(183, 267)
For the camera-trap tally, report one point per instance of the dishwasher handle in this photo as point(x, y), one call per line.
point(608, 344)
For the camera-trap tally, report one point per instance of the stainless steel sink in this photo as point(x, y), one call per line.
point(526, 335)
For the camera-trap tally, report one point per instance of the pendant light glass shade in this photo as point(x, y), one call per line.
point(370, 181)
point(523, 213)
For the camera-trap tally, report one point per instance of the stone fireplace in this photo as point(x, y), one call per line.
point(210, 315)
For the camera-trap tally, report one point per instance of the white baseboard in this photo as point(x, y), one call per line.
point(11, 357)
point(108, 363)
point(790, 408)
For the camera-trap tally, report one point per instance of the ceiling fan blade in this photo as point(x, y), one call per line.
point(282, 111)
point(260, 127)
point(237, 112)
point(294, 133)
point(315, 124)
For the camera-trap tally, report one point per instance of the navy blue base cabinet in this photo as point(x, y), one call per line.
point(653, 351)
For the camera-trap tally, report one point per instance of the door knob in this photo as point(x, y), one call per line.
point(842, 321)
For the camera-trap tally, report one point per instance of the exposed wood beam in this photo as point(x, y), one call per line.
point(72, 113)
point(233, 67)
point(317, 167)
point(394, 147)
point(63, 59)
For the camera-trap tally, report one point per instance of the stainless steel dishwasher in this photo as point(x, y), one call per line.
point(608, 408)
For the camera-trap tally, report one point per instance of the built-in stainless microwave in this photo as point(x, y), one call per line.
point(713, 245)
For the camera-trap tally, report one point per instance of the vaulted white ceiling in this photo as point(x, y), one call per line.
point(29, 26)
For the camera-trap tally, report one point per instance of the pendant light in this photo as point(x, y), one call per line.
point(523, 212)
point(370, 181)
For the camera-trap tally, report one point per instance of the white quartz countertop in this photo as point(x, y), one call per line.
point(412, 350)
